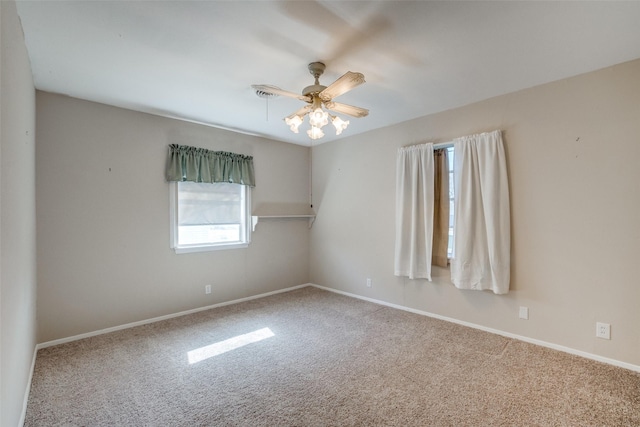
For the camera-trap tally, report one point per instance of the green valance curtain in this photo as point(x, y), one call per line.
point(201, 165)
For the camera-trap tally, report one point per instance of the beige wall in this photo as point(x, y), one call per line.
point(17, 218)
point(103, 219)
point(573, 151)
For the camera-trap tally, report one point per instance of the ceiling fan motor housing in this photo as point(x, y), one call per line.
point(313, 89)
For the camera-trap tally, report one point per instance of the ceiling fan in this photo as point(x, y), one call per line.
point(318, 96)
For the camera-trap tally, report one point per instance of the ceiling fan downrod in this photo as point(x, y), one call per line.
point(316, 69)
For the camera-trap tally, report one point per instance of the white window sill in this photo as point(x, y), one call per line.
point(191, 249)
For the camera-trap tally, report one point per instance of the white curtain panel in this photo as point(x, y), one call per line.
point(414, 211)
point(482, 228)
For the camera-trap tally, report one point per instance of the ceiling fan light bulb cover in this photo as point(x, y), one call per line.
point(318, 118)
point(315, 133)
point(339, 124)
point(293, 123)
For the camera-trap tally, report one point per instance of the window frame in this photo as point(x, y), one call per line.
point(174, 228)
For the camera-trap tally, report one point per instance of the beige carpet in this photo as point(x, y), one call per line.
point(331, 361)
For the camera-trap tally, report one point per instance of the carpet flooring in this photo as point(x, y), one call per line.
point(314, 358)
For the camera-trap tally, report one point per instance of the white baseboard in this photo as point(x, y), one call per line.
point(553, 346)
point(28, 388)
point(158, 319)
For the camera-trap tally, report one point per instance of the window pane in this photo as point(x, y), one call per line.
point(450, 154)
point(202, 203)
point(211, 214)
point(199, 234)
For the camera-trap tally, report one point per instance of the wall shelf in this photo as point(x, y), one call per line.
point(256, 218)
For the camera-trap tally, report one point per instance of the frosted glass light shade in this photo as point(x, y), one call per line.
point(339, 124)
point(315, 133)
point(293, 123)
point(318, 118)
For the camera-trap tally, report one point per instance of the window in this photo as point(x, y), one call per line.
point(207, 216)
point(471, 224)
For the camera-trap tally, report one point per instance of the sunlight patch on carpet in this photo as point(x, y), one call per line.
point(203, 353)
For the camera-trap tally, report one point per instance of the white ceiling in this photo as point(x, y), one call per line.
point(196, 60)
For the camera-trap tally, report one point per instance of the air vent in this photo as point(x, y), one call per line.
point(267, 95)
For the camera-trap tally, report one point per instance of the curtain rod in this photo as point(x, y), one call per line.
point(443, 145)
point(448, 144)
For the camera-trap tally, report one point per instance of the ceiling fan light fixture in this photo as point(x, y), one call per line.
point(318, 118)
point(293, 123)
point(315, 133)
point(339, 124)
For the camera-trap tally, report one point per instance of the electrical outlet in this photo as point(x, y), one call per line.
point(368, 283)
point(524, 313)
point(207, 289)
point(603, 330)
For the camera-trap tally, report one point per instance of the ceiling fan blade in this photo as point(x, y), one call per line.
point(314, 14)
point(351, 40)
point(348, 81)
point(277, 91)
point(301, 112)
point(349, 110)
point(343, 38)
